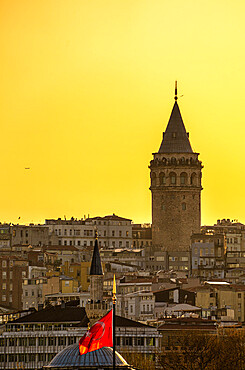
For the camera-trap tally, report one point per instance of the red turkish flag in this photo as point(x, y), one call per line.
point(98, 336)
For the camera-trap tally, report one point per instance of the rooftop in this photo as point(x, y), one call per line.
point(56, 314)
point(175, 138)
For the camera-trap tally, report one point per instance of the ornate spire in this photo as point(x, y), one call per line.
point(175, 139)
point(96, 268)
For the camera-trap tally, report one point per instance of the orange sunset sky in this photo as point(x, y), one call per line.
point(87, 87)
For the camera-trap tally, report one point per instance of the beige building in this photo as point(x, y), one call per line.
point(142, 236)
point(137, 306)
point(234, 232)
point(65, 253)
point(113, 231)
point(208, 255)
point(133, 257)
point(222, 296)
point(176, 188)
point(30, 235)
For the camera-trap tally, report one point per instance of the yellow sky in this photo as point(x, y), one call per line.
point(86, 89)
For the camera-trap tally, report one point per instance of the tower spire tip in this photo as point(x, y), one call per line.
point(175, 97)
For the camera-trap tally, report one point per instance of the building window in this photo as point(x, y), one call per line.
point(61, 341)
point(4, 275)
point(113, 233)
point(163, 207)
point(120, 233)
point(4, 298)
point(65, 232)
point(4, 263)
point(32, 341)
point(41, 357)
point(51, 341)
point(184, 259)
point(4, 286)
point(183, 206)
point(104, 232)
point(71, 340)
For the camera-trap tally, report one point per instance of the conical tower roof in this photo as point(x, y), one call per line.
point(175, 139)
point(96, 268)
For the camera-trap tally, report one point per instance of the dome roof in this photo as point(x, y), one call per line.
point(70, 358)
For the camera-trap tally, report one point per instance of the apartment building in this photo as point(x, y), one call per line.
point(137, 306)
point(12, 272)
point(142, 235)
point(113, 231)
point(35, 235)
point(234, 232)
point(220, 296)
point(208, 255)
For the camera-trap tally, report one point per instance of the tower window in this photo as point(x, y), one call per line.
point(174, 135)
point(162, 179)
point(193, 179)
point(183, 206)
point(183, 178)
point(172, 178)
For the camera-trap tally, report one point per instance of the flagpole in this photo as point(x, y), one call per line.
point(114, 299)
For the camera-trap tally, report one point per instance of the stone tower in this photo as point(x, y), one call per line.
point(96, 276)
point(96, 307)
point(176, 188)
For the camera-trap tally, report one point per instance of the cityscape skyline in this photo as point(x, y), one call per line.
point(84, 108)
